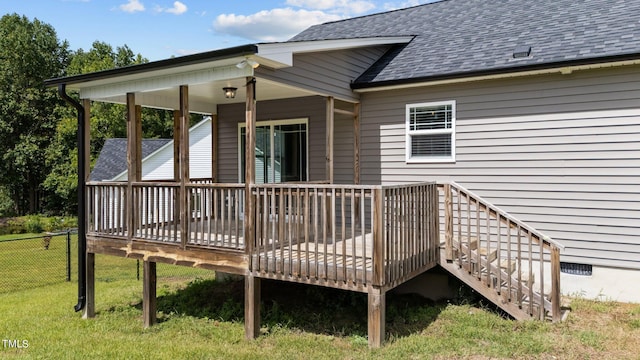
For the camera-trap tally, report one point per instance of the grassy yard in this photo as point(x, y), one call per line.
point(203, 320)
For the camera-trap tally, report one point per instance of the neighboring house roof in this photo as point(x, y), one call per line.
point(112, 160)
point(458, 38)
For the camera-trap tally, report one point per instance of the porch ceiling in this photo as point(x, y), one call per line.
point(204, 96)
point(158, 86)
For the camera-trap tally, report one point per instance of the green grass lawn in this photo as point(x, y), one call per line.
point(203, 319)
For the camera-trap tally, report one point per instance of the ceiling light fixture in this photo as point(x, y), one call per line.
point(229, 92)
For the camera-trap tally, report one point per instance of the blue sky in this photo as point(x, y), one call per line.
point(159, 29)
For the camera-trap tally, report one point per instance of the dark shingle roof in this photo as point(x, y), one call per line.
point(458, 37)
point(112, 160)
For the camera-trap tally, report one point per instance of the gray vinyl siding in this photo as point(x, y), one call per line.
point(560, 152)
point(326, 73)
point(313, 108)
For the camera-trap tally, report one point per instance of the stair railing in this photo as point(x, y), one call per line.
point(504, 253)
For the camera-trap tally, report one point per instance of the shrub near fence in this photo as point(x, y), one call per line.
point(48, 259)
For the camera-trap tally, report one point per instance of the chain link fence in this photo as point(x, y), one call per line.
point(42, 260)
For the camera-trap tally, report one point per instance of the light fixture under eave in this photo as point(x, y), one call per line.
point(229, 92)
point(243, 64)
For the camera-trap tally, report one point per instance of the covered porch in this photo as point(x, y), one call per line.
point(304, 220)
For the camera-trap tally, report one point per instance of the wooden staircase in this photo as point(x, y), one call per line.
point(508, 262)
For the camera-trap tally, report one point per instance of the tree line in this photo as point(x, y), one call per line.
point(38, 131)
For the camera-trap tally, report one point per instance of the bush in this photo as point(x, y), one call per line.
point(36, 224)
point(33, 224)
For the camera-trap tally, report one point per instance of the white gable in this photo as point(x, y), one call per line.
point(159, 165)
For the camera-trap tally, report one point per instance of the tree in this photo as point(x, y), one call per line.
point(107, 121)
point(30, 52)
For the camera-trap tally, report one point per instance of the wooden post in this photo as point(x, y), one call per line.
point(329, 138)
point(376, 320)
point(251, 307)
point(252, 284)
point(185, 211)
point(176, 145)
point(555, 284)
point(356, 156)
point(214, 148)
point(134, 161)
point(89, 309)
point(356, 143)
point(250, 168)
point(149, 300)
point(330, 117)
point(448, 222)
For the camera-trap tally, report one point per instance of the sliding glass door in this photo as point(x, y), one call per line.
point(281, 151)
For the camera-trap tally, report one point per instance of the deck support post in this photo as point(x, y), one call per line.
point(251, 307)
point(555, 284)
point(90, 307)
point(185, 211)
point(376, 313)
point(149, 300)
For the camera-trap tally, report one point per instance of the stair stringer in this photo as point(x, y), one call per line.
point(478, 285)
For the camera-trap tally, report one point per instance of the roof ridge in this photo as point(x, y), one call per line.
point(381, 13)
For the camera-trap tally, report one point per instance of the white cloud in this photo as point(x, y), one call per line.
point(132, 6)
point(335, 6)
point(177, 9)
point(271, 25)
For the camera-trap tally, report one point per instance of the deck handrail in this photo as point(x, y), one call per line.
point(484, 245)
point(488, 205)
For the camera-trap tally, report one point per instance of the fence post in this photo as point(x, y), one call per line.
point(68, 254)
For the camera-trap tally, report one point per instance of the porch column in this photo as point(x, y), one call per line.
point(134, 161)
point(252, 284)
point(330, 114)
point(176, 146)
point(356, 143)
point(214, 147)
point(89, 309)
point(185, 213)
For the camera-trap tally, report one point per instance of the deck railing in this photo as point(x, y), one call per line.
point(216, 213)
point(517, 262)
point(106, 208)
point(357, 235)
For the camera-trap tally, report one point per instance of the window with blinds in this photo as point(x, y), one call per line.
point(430, 132)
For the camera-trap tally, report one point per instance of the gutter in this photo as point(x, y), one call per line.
point(82, 223)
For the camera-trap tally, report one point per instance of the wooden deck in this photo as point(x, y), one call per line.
point(353, 237)
point(345, 236)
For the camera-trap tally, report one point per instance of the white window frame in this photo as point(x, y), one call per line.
point(409, 133)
